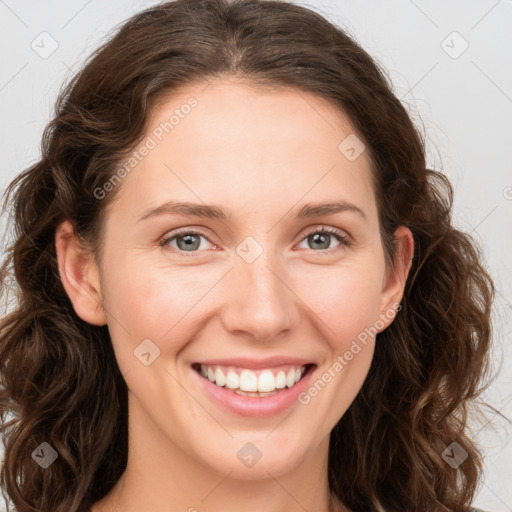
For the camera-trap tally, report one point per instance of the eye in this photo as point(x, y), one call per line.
point(322, 238)
point(187, 241)
point(190, 241)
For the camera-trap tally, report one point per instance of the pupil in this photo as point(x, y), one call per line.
point(325, 238)
point(189, 244)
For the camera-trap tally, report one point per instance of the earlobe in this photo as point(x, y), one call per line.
point(79, 275)
point(396, 277)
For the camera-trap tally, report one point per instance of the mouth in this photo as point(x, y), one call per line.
point(259, 383)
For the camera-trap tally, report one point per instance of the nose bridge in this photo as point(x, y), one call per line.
point(259, 302)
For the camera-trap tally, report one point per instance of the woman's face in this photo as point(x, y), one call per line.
point(245, 286)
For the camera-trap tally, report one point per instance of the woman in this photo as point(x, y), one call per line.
point(180, 342)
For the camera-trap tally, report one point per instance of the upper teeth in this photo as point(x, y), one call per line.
point(247, 380)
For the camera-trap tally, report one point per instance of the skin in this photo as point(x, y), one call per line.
point(262, 154)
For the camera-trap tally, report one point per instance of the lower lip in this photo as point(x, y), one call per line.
point(255, 406)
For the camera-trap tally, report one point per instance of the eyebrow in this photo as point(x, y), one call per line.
point(217, 212)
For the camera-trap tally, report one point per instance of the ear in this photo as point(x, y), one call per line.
point(79, 275)
point(396, 276)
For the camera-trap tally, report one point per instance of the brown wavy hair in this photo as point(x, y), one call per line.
point(60, 380)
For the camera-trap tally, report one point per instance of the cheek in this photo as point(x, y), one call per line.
point(344, 300)
point(346, 308)
point(149, 303)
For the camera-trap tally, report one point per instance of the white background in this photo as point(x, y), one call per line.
point(463, 103)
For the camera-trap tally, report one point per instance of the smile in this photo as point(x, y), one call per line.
point(252, 382)
point(254, 388)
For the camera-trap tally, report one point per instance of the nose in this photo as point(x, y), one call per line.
point(260, 300)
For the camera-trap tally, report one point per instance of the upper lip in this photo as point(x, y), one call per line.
point(245, 362)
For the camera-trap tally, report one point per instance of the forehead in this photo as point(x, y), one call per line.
point(228, 141)
point(222, 107)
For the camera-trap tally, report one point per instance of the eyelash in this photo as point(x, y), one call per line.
point(339, 235)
